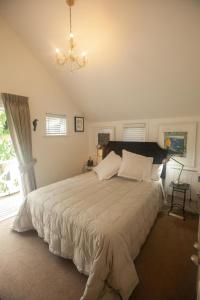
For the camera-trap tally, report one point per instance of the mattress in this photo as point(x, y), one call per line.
point(100, 225)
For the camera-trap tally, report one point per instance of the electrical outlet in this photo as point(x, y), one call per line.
point(198, 178)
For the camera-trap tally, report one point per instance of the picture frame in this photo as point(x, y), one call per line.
point(180, 140)
point(79, 124)
point(176, 143)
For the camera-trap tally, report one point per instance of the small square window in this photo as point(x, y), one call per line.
point(134, 133)
point(56, 125)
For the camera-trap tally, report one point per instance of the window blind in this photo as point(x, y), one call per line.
point(134, 133)
point(56, 125)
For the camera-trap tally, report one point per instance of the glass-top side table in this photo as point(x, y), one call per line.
point(180, 203)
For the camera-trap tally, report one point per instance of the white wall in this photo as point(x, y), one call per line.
point(22, 74)
point(189, 175)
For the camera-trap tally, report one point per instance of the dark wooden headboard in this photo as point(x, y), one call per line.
point(150, 149)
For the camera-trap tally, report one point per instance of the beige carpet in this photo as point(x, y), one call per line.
point(28, 271)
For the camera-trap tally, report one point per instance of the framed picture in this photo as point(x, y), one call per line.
point(176, 143)
point(79, 124)
point(180, 140)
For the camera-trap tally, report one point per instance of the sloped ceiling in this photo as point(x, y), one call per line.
point(143, 55)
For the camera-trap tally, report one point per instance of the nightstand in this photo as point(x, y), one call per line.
point(180, 203)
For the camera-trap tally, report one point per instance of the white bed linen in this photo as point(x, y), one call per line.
point(101, 225)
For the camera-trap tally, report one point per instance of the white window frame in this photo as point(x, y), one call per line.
point(135, 125)
point(61, 116)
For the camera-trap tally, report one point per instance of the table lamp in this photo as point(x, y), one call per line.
point(99, 153)
point(178, 162)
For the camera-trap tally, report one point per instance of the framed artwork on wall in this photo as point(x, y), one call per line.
point(176, 143)
point(79, 124)
point(180, 140)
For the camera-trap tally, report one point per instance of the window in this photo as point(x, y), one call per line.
point(134, 133)
point(56, 125)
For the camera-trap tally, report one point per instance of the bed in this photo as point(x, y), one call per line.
point(100, 225)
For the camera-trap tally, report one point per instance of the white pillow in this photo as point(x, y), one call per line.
point(148, 169)
point(135, 166)
point(109, 166)
point(156, 172)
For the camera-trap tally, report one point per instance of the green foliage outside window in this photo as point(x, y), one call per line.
point(6, 147)
point(6, 154)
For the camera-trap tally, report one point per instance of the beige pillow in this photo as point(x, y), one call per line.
point(109, 166)
point(135, 166)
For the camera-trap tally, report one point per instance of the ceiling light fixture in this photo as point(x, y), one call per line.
point(75, 61)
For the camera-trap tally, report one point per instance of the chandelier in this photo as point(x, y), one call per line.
point(75, 61)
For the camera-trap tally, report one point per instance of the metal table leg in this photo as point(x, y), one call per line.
point(172, 201)
point(184, 204)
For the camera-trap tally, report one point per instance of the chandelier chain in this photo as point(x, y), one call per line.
point(70, 19)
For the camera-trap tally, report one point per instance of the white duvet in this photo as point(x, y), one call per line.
point(101, 225)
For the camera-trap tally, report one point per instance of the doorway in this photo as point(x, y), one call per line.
point(10, 186)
